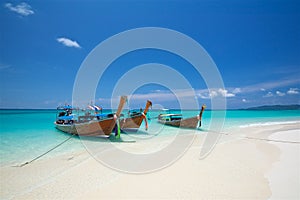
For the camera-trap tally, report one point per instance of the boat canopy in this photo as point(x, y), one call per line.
point(95, 108)
point(169, 115)
point(101, 115)
point(67, 107)
point(66, 117)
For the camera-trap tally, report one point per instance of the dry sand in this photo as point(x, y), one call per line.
point(240, 167)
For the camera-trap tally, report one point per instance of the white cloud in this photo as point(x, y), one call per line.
point(67, 42)
point(22, 8)
point(280, 93)
point(225, 93)
point(213, 94)
point(269, 85)
point(183, 94)
point(237, 90)
point(262, 87)
point(269, 94)
point(204, 95)
point(189, 94)
point(293, 91)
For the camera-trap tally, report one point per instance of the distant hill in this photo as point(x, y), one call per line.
point(276, 107)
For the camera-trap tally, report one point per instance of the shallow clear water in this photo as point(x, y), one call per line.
point(25, 134)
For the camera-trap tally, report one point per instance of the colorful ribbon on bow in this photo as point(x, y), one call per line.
point(117, 128)
point(146, 121)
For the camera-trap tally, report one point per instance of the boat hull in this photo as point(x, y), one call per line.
point(92, 128)
point(67, 128)
point(102, 127)
point(184, 123)
point(131, 124)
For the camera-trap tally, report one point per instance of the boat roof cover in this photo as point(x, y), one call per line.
point(101, 115)
point(166, 115)
point(66, 117)
point(94, 107)
point(64, 107)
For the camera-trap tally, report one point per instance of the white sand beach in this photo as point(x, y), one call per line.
point(247, 163)
point(285, 173)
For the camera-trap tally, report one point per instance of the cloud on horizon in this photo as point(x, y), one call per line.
point(281, 94)
point(269, 94)
point(23, 8)
point(293, 91)
point(269, 85)
point(165, 95)
point(217, 92)
point(266, 93)
point(68, 42)
point(207, 94)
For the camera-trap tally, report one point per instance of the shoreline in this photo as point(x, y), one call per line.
point(80, 144)
point(286, 170)
point(237, 168)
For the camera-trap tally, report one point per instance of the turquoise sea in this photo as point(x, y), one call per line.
point(25, 134)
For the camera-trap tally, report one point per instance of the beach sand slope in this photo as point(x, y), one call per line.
point(238, 168)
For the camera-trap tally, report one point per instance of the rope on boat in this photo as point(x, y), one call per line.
point(28, 162)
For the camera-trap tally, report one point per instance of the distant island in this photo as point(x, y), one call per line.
point(275, 107)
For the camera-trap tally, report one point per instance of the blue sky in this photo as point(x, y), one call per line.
point(255, 45)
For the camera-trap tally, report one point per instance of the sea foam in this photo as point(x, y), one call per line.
point(268, 124)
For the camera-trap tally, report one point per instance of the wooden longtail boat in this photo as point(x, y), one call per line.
point(177, 120)
point(89, 125)
point(135, 119)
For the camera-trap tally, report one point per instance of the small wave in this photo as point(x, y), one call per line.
point(268, 124)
